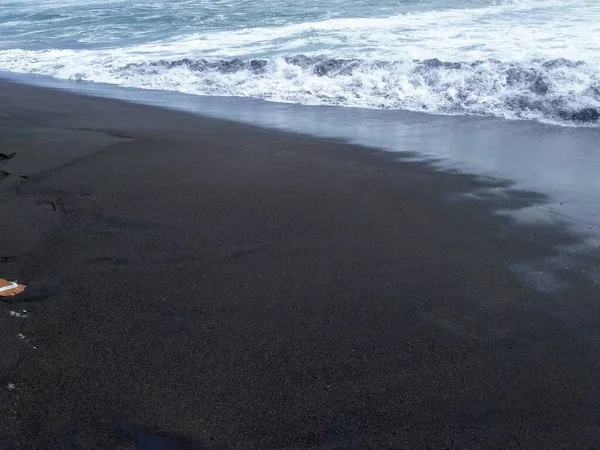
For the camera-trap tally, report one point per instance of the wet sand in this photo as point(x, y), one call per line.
point(223, 286)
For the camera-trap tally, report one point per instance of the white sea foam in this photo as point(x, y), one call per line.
point(548, 90)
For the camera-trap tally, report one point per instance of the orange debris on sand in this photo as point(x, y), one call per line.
point(10, 288)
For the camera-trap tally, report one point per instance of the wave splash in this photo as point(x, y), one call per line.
point(553, 90)
point(557, 91)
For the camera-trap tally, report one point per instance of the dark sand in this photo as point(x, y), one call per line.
point(231, 287)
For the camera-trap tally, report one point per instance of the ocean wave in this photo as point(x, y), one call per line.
point(557, 90)
point(553, 90)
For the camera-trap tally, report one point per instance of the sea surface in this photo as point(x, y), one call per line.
point(514, 59)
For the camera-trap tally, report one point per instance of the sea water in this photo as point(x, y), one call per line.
point(515, 59)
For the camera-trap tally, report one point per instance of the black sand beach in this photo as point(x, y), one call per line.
point(218, 286)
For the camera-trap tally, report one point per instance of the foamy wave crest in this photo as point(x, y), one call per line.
point(558, 91)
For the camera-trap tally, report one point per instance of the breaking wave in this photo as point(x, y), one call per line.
point(558, 91)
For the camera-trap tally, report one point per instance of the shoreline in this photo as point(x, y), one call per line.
point(556, 161)
point(244, 287)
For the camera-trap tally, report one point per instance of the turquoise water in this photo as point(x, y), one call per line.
point(518, 59)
